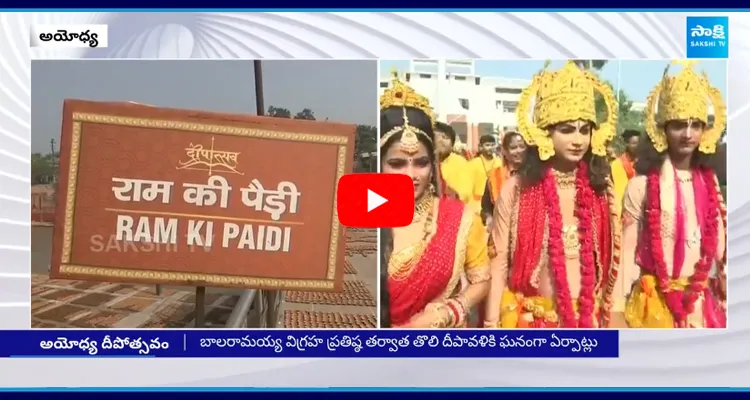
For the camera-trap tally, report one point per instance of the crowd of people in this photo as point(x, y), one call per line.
point(553, 228)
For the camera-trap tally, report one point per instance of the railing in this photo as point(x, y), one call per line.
point(43, 216)
point(256, 309)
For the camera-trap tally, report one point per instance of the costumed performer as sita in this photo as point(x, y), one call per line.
point(446, 239)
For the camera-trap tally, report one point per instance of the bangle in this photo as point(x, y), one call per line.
point(454, 311)
point(459, 308)
point(490, 324)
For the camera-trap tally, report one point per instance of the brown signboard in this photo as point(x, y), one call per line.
point(157, 195)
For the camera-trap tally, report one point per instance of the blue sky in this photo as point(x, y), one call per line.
point(637, 78)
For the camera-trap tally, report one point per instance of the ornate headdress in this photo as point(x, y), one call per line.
point(564, 95)
point(681, 97)
point(402, 95)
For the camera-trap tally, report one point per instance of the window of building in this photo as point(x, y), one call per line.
point(459, 78)
point(464, 103)
point(459, 67)
point(425, 66)
point(507, 90)
point(461, 130)
point(485, 128)
point(498, 105)
point(384, 84)
point(510, 106)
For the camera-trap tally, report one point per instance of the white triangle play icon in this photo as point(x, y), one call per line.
point(374, 200)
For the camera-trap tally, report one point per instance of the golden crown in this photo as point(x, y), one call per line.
point(564, 95)
point(684, 96)
point(399, 94)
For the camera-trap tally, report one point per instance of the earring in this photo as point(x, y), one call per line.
point(432, 188)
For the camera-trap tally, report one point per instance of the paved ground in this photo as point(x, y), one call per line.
point(78, 304)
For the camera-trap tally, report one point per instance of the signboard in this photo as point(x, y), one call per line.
point(156, 195)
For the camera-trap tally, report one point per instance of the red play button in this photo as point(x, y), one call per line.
point(375, 200)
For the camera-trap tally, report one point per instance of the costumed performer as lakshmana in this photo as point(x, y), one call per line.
point(446, 239)
point(673, 213)
point(554, 227)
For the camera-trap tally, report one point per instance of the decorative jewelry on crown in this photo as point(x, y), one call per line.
point(399, 94)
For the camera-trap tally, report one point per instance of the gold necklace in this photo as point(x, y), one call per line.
point(422, 206)
point(565, 180)
point(684, 176)
point(400, 264)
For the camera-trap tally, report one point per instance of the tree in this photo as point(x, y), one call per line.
point(545, 66)
point(278, 112)
point(42, 168)
point(365, 140)
point(365, 143)
point(305, 114)
point(627, 118)
point(595, 65)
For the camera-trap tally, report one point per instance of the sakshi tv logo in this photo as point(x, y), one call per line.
point(707, 37)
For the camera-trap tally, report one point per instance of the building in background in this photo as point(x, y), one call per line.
point(472, 105)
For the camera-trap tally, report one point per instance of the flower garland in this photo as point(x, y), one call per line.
point(682, 303)
point(583, 207)
point(720, 282)
point(583, 211)
point(614, 267)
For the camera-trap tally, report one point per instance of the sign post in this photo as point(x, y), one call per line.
point(177, 197)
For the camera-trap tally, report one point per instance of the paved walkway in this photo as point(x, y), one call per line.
point(81, 304)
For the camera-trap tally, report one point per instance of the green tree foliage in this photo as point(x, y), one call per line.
point(365, 141)
point(594, 65)
point(43, 168)
point(305, 114)
point(627, 118)
point(278, 112)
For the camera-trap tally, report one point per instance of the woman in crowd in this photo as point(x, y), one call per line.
point(554, 226)
point(673, 225)
point(512, 149)
point(426, 260)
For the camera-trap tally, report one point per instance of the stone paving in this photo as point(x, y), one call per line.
point(82, 304)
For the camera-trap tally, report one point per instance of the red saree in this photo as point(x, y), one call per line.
point(433, 272)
